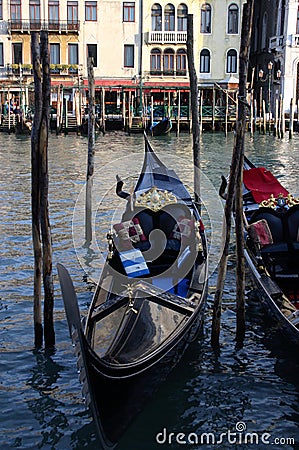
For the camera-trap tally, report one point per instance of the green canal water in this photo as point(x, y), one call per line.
point(211, 399)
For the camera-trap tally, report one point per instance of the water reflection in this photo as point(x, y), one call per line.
point(41, 402)
point(45, 408)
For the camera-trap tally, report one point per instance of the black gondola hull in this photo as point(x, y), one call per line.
point(266, 290)
point(161, 128)
point(138, 327)
point(132, 392)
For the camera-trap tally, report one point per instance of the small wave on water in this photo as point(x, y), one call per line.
point(207, 394)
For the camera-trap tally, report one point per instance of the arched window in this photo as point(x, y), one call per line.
point(156, 17)
point(182, 12)
point(231, 61)
point(169, 24)
point(181, 62)
point(233, 19)
point(205, 18)
point(155, 62)
point(280, 18)
point(264, 31)
point(168, 62)
point(205, 61)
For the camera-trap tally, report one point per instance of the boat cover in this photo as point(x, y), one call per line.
point(155, 173)
point(262, 183)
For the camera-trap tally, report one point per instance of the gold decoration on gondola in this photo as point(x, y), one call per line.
point(155, 199)
point(280, 201)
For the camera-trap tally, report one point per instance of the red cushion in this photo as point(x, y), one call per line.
point(130, 231)
point(183, 228)
point(260, 232)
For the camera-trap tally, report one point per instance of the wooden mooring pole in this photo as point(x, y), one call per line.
point(194, 109)
point(90, 155)
point(35, 192)
point(234, 197)
point(49, 334)
point(41, 232)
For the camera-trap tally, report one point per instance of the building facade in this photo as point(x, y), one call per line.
point(137, 46)
point(275, 52)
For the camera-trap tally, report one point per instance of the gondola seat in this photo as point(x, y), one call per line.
point(274, 221)
point(281, 252)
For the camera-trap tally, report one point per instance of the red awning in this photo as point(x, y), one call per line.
point(128, 84)
point(262, 183)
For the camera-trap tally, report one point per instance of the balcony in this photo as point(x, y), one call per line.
point(276, 43)
point(15, 72)
point(167, 73)
point(295, 40)
point(167, 37)
point(60, 26)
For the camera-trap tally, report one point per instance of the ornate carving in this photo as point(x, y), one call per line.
point(155, 199)
point(280, 201)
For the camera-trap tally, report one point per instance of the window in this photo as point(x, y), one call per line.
point(73, 53)
point(233, 19)
point(280, 18)
point(91, 11)
point(34, 14)
point(54, 53)
point(17, 52)
point(15, 10)
point(231, 61)
point(182, 12)
point(155, 62)
point(156, 17)
point(204, 61)
point(129, 56)
point(72, 12)
point(53, 15)
point(205, 18)
point(264, 31)
point(92, 52)
point(168, 62)
point(169, 23)
point(129, 12)
point(181, 62)
point(1, 10)
point(1, 55)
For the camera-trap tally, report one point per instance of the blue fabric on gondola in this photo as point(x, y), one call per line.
point(155, 173)
point(134, 263)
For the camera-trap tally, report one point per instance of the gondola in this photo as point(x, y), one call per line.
point(161, 127)
point(148, 304)
point(271, 227)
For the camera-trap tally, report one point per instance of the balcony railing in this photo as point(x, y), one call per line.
point(167, 37)
point(13, 71)
point(276, 42)
point(167, 73)
point(295, 40)
point(59, 26)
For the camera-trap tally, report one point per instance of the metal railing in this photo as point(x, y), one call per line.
point(276, 42)
point(59, 26)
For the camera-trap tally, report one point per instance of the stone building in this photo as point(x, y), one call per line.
point(138, 48)
point(275, 52)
